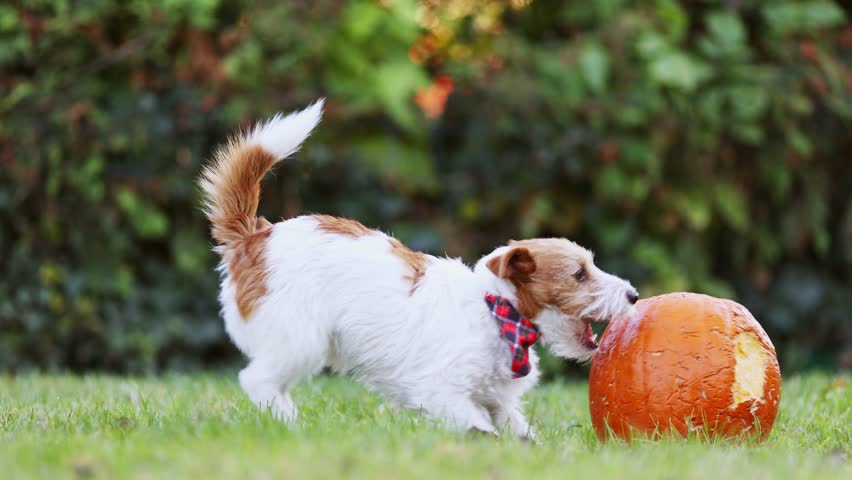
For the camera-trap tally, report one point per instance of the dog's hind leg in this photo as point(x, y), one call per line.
point(283, 356)
point(268, 380)
point(265, 386)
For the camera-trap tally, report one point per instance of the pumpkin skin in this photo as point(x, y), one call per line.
point(685, 362)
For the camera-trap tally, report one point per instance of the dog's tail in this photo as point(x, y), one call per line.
point(231, 182)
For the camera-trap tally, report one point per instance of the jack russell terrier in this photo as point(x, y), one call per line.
point(429, 333)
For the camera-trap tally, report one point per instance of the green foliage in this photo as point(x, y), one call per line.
point(693, 145)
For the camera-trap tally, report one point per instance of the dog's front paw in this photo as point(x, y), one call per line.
point(475, 432)
point(530, 438)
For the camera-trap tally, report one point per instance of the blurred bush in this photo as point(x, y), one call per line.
point(697, 146)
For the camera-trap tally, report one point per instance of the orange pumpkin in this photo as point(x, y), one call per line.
point(687, 362)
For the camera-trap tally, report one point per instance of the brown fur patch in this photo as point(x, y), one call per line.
point(342, 226)
point(262, 224)
point(247, 266)
point(232, 183)
point(516, 264)
point(551, 281)
point(415, 261)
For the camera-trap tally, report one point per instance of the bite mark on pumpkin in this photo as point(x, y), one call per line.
point(749, 370)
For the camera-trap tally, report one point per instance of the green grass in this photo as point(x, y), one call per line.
point(202, 426)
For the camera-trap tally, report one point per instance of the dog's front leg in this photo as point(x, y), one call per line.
point(463, 414)
point(511, 417)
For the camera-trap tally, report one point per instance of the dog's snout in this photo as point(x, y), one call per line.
point(632, 296)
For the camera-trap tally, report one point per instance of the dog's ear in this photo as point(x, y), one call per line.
point(516, 265)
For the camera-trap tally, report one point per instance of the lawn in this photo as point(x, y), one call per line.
point(202, 426)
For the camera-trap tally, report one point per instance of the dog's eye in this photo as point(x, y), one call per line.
point(580, 274)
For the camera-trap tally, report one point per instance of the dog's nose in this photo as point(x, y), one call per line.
point(632, 296)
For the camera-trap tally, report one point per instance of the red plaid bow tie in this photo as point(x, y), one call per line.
point(515, 330)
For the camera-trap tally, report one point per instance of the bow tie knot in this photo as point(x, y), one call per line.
point(518, 332)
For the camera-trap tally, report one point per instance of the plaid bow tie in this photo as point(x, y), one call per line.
point(518, 332)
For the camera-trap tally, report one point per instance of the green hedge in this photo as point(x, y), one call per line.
point(697, 146)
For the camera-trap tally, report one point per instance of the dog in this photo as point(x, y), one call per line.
point(428, 333)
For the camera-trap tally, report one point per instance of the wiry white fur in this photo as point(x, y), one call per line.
point(344, 302)
point(608, 301)
point(283, 135)
point(609, 288)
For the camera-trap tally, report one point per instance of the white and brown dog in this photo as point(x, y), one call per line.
point(427, 332)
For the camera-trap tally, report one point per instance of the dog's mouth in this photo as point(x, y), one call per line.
point(587, 337)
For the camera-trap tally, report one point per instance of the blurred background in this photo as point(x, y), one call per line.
point(702, 146)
